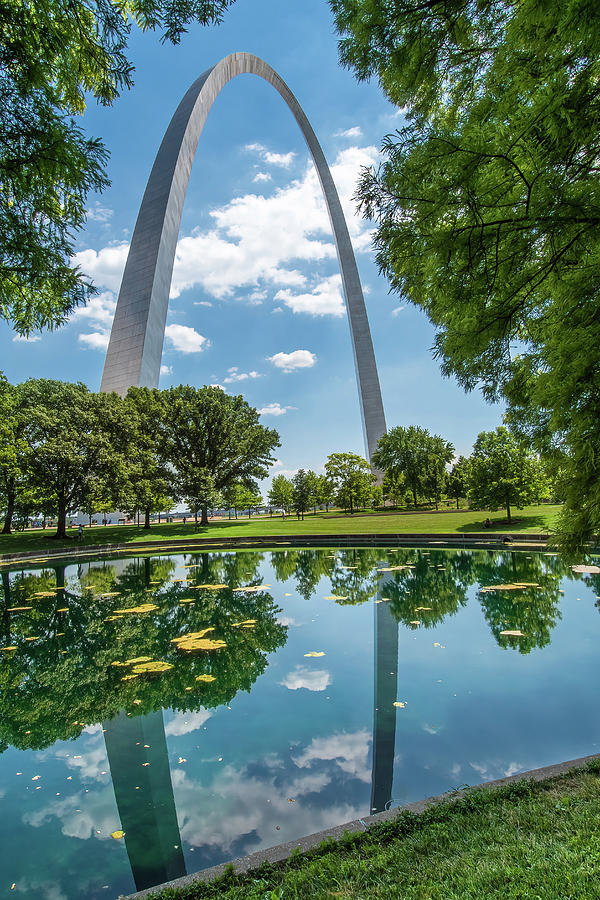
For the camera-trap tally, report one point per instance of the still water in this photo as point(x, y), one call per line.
point(315, 686)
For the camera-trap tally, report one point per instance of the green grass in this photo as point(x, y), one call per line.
point(525, 840)
point(530, 519)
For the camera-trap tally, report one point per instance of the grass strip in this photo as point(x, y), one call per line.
point(531, 519)
point(526, 839)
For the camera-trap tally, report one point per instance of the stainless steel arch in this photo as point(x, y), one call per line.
point(135, 348)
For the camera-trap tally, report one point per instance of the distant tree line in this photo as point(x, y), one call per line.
point(65, 448)
point(420, 468)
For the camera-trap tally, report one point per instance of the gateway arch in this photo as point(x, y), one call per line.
point(135, 349)
point(133, 358)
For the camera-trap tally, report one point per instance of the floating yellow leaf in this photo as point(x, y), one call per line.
point(513, 633)
point(252, 588)
point(132, 662)
point(112, 594)
point(415, 622)
point(152, 667)
point(19, 608)
point(419, 608)
point(36, 638)
point(63, 609)
point(142, 608)
point(205, 678)
point(246, 623)
point(348, 567)
point(315, 653)
point(117, 834)
point(44, 594)
point(501, 587)
point(336, 597)
point(7, 648)
point(191, 636)
point(187, 600)
point(399, 703)
point(200, 644)
point(208, 587)
point(137, 702)
point(586, 569)
point(437, 644)
point(129, 677)
point(394, 568)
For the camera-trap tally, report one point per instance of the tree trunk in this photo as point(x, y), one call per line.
point(61, 525)
point(196, 517)
point(204, 519)
point(10, 511)
point(147, 517)
point(414, 493)
point(457, 506)
point(508, 510)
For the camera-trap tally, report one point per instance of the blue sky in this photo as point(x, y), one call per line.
point(256, 278)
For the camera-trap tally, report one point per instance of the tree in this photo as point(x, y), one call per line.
point(74, 439)
point(394, 487)
point(456, 484)
point(351, 477)
point(281, 493)
point(325, 492)
point(502, 472)
point(148, 482)
point(206, 429)
point(13, 450)
point(418, 455)
point(241, 496)
point(51, 57)
point(303, 496)
point(487, 205)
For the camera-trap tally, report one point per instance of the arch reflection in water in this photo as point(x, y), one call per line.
point(141, 777)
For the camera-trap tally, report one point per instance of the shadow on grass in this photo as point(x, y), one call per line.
point(518, 523)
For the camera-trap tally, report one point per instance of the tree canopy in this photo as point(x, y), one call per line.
point(416, 454)
point(53, 56)
point(486, 204)
point(502, 472)
point(352, 478)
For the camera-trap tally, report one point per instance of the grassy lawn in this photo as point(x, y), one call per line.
point(526, 840)
point(532, 519)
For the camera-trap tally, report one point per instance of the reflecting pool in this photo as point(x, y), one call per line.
point(162, 714)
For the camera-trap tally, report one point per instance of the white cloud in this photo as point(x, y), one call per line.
point(350, 752)
point(355, 132)
point(166, 370)
point(274, 409)
point(186, 722)
point(95, 340)
point(202, 303)
point(21, 338)
point(99, 311)
point(185, 339)
point(325, 299)
point(397, 310)
point(261, 176)
point(99, 213)
point(235, 375)
point(297, 359)
point(272, 159)
point(258, 243)
point(310, 679)
point(104, 267)
point(217, 812)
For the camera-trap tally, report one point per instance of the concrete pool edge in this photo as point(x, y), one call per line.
point(281, 852)
point(470, 540)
